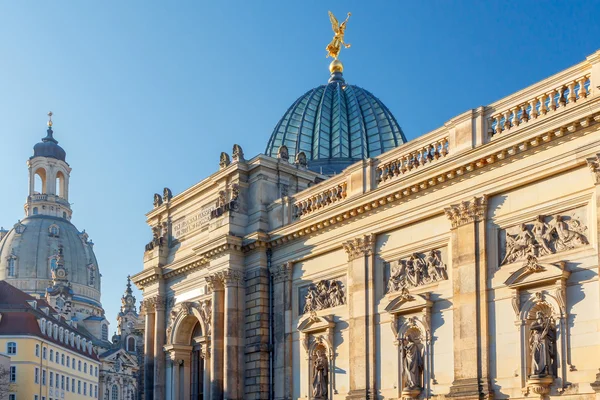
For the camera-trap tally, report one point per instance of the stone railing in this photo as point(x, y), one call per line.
point(39, 196)
point(316, 201)
point(548, 98)
point(413, 159)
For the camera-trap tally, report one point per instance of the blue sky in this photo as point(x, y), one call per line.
point(146, 94)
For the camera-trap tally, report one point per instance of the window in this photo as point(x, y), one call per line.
point(84, 388)
point(12, 396)
point(79, 386)
point(51, 378)
point(96, 371)
point(35, 397)
point(43, 397)
point(13, 374)
point(45, 353)
point(44, 377)
point(64, 215)
point(35, 210)
point(73, 385)
point(62, 359)
point(62, 382)
point(57, 382)
point(104, 332)
point(85, 368)
point(37, 350)
point(11, 266)
point(96, 391)
point(115, 393)
point(68, 361)
point(51, 355)
point(54, 231)
point(36, 375)
point(79, 365)
point(11, 348)
point(67, 383)
point(131, 344)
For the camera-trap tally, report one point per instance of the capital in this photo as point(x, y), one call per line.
point(232, 277)
point(215, 282)
point(467, 211)
point(359, 247)
point(594, 166)
point(282, 273)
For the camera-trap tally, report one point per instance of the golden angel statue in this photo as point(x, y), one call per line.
point(333, 48)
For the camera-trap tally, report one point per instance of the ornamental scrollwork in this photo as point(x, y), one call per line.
point(416, 270)
point(546, 235)
point(594, 166)
point(325, 294)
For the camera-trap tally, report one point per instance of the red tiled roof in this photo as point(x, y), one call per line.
point(20, 318)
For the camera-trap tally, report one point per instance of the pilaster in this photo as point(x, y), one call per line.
point(361, 308)
point(470, 315)
point(148, 309)
point(215, 284)
point(160, 303)
point(282, 330)
point(233, 341)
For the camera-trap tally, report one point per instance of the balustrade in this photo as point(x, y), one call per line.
point(320, 200)
point(551, 101)
point(413, 160)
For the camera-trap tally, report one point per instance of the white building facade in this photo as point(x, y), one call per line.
point(461, 264)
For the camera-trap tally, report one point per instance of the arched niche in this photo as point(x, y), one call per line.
point(411, 325)
point(541, 287)
point(317, 340)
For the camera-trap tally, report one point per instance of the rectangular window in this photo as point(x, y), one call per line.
point(37, 350)
point(57, 357)
point(73, 385)
point(36, 375)
point(85, 368)
point(96, 371)
point(62, 382)
point(62, 359)
point(12, 396)
point(44, 377)
point(51, 355)
point(13, 374)
point(51, 378)
point(79, 365)
point(67, 383)
point(79, 387)
point(11, 348)
point(84, 388)
point(96, 391)
point(35, 397)
point(68, 361)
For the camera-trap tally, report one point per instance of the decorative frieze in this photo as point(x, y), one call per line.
point(467, 211)
point(546, 235)
point(282, 273)
point(416, 270)
point(359, 247)
point(325, 294)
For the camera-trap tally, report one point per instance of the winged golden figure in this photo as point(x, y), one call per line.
point(333, 48)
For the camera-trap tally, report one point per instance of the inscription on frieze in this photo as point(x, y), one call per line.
point(193, 222)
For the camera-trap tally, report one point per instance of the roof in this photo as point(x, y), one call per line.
point(19, 317)
point(336, 125)
point(49, 147)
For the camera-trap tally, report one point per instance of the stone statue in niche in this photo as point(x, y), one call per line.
point(543, 238)
point(542, 345)
point(412, 362)
point(320, 371)
point(325, 294)
point(417, 270)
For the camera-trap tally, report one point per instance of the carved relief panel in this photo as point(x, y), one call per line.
point(545, 235)
point(415, 270)
point(322, 295)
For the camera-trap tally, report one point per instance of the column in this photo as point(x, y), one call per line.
point(232, 381)
point(159, 342)
point(206, 377)
point(148, 309)
point(282, 331)
point(175, 382)
point(470, 313)
point(360, 292)
point(185, 373)
point(215, 284)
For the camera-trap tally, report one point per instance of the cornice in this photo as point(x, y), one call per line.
point(146, 277)
point(507, 148)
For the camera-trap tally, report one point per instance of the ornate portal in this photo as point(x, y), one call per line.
point(546, 235)
point(416, 270)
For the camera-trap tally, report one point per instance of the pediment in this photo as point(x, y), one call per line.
point(315, 323)
point(405, 302)
point(125, 358)
point(533, 273)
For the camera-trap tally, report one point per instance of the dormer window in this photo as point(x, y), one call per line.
point(19, 228)
point(54, 230)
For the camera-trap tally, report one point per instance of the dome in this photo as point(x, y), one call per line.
point(336, 125)
point(49, 147)
point(34, 243)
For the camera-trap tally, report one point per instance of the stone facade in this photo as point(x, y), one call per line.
point(462, 264)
